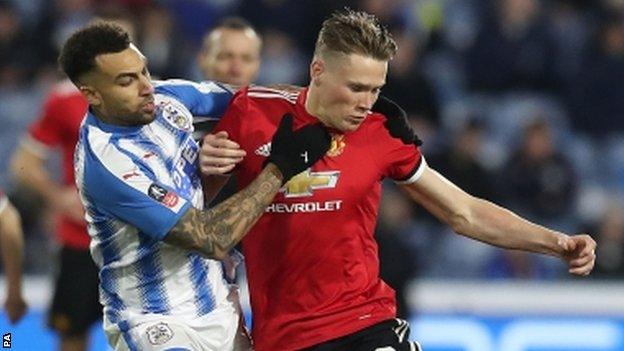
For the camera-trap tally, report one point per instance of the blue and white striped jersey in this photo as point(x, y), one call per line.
point(136, 183)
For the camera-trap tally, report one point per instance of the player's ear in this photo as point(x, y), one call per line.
point(317, 67)
point(92, 96)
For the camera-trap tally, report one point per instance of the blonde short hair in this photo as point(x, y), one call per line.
point(351, 32)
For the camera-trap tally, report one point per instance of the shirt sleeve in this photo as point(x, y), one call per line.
point(401, 162)
point(234, 117)
point(204, 100)
point(47, 129)
point(118, 183)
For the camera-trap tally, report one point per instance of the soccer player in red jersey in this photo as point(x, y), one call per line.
point(12, 247)
point(312, 259)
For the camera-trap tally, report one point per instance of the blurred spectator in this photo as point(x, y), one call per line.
point(597, 95)
point(282, 62)
point(570, 32)
point(408, 86)
point(459, 161)
point(60, 19)
point(610, 242)
point(513, 50)
point(167, 58)
point(231, 52)
point(284, 17)
point(16, 55)
point(397, 264)
point(539, 180)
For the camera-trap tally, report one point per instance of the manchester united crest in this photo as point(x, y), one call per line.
point(337, 145)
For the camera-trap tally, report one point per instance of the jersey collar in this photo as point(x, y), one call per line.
point(110, 128)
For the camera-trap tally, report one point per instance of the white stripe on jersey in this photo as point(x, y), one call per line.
point(268, 93)
point(116, 161)
point(263, 89)
point(203, 87)
point(421, 168)
point(271, 96)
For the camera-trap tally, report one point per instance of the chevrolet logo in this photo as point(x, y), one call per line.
point(304, 183)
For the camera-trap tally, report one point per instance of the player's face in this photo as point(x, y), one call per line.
point(120, 88)
point(231, 56)
point(346, 89)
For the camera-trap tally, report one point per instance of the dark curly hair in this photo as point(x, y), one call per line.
point(79, 51)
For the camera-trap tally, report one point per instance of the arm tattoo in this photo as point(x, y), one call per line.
point(214, 232)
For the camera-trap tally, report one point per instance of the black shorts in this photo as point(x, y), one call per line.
point(75, 306)
point(388, 335)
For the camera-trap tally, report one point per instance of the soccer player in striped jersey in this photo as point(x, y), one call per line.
point(312, 260)
point(136, 167)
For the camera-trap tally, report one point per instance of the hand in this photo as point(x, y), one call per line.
point(396, 121)
point(295, 151)
point(219, 155)
point(68, 204)
point(579, 252)
point(15, 307)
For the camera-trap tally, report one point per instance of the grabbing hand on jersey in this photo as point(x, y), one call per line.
point(219, 155)
point(294, 151)
point(396, 121)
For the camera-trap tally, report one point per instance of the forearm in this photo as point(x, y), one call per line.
point(498, 226)
point(216, 231)
point(12, 245)
point(29, 169)
point(480, 219)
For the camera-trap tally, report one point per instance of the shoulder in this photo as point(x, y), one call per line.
point(276, 94)
point(374, 125)
point(182, 85)
point(65, 92)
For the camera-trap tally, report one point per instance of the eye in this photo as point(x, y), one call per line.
point(125, 81)
point(356, 88)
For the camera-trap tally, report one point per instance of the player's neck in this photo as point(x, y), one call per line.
point(313, 106)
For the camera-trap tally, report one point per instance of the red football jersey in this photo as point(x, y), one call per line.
point(58, 127)
point(312, 260)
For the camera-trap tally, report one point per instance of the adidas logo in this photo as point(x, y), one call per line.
point(264, 150)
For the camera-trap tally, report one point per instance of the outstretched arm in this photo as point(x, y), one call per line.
point(480, 219)
point(487, 222)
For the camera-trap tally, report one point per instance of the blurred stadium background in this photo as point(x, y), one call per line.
point(518, 101)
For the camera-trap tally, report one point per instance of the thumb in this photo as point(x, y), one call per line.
point(567, 243)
